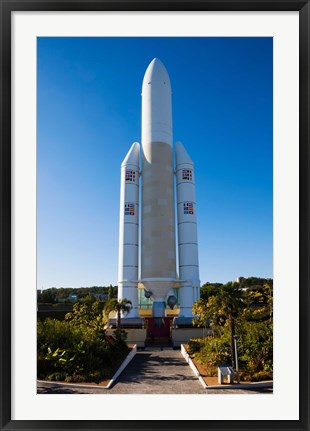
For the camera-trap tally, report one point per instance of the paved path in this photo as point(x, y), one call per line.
point(158, 372)
point(153, 371)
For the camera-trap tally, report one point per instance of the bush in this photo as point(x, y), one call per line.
point(214, 352)
point(255, 346)
point(261, 376)
point(195, 345)
point(52, 333)
point(255, 349)
point(72, 351)
point(120, 337)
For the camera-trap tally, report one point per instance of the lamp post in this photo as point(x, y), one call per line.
point(236, 357)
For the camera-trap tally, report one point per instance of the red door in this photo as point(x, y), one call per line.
point(158, 327)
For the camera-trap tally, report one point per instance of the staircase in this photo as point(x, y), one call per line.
point(158, 342)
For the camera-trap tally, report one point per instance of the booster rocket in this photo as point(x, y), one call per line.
point(161, 179)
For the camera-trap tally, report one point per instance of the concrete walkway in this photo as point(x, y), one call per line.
point(155, 371)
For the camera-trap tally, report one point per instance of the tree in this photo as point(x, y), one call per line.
point(110, 292)
point(256, 344)
point(202, 313)
point(49, 295)
point(228, 303)
point(255, 281)
point(209, 289)
point(87, 315)
point(259, 301)
point(88, 300)
point(118, 306)
point(219, 308)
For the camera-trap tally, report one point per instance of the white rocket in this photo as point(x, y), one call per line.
point(158, 273)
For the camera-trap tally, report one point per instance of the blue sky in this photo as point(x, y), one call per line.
point(89, 113)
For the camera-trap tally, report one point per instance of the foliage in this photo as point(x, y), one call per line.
point(120, 336)
point(213, 351)
point(77, 349)
point(89, 314)
point(195, 345)
point(255, 344)
point(209, 289)
point(111, 292)
point(242, 312)
point(261, 376)
point(255, 281)
point(201, 312)
point(228, 302)
point(48, 296)
point(259, 302)
point(221, 307)
point(52, 295)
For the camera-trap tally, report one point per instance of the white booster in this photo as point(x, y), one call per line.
point(187, 231)
point(129, 229)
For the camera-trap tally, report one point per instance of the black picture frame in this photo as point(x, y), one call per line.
point(9, 6)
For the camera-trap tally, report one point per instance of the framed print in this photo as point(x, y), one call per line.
point(235, 192)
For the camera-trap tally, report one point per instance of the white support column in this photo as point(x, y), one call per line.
point(187, 231)
point(129, 230)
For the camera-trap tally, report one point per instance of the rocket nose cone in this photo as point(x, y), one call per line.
point(156, 72)
point(181, 155)
point(132, 157)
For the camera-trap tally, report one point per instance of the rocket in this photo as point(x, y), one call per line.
point(163, 231)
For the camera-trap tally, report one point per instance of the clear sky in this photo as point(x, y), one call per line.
point(89, 114)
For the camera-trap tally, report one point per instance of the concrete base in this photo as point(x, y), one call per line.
point(128, 322)
point(183, 322)
point(178, 335)
point(134, 336)
point(183, 335)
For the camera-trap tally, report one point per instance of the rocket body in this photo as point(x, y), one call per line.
point(158, 248)
point(158, 271)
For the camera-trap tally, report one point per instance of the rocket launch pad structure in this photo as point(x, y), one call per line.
point(167, 195)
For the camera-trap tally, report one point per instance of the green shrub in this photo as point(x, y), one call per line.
point(255, 345)
point(120, 337)
point(74, 350)
point(58, 377)
point(261, 376)
point(195, 344)
point(214, 352)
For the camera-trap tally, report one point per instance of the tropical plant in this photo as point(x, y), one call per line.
point(220, 308)
point(237, 313)
point(259, 302)
point(255, 343)
point(119, 306)
point(209, 289)
point(76, 349)
point(211, 351)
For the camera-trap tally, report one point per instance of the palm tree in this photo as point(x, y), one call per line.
point(227, 303)
point(118, 306)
